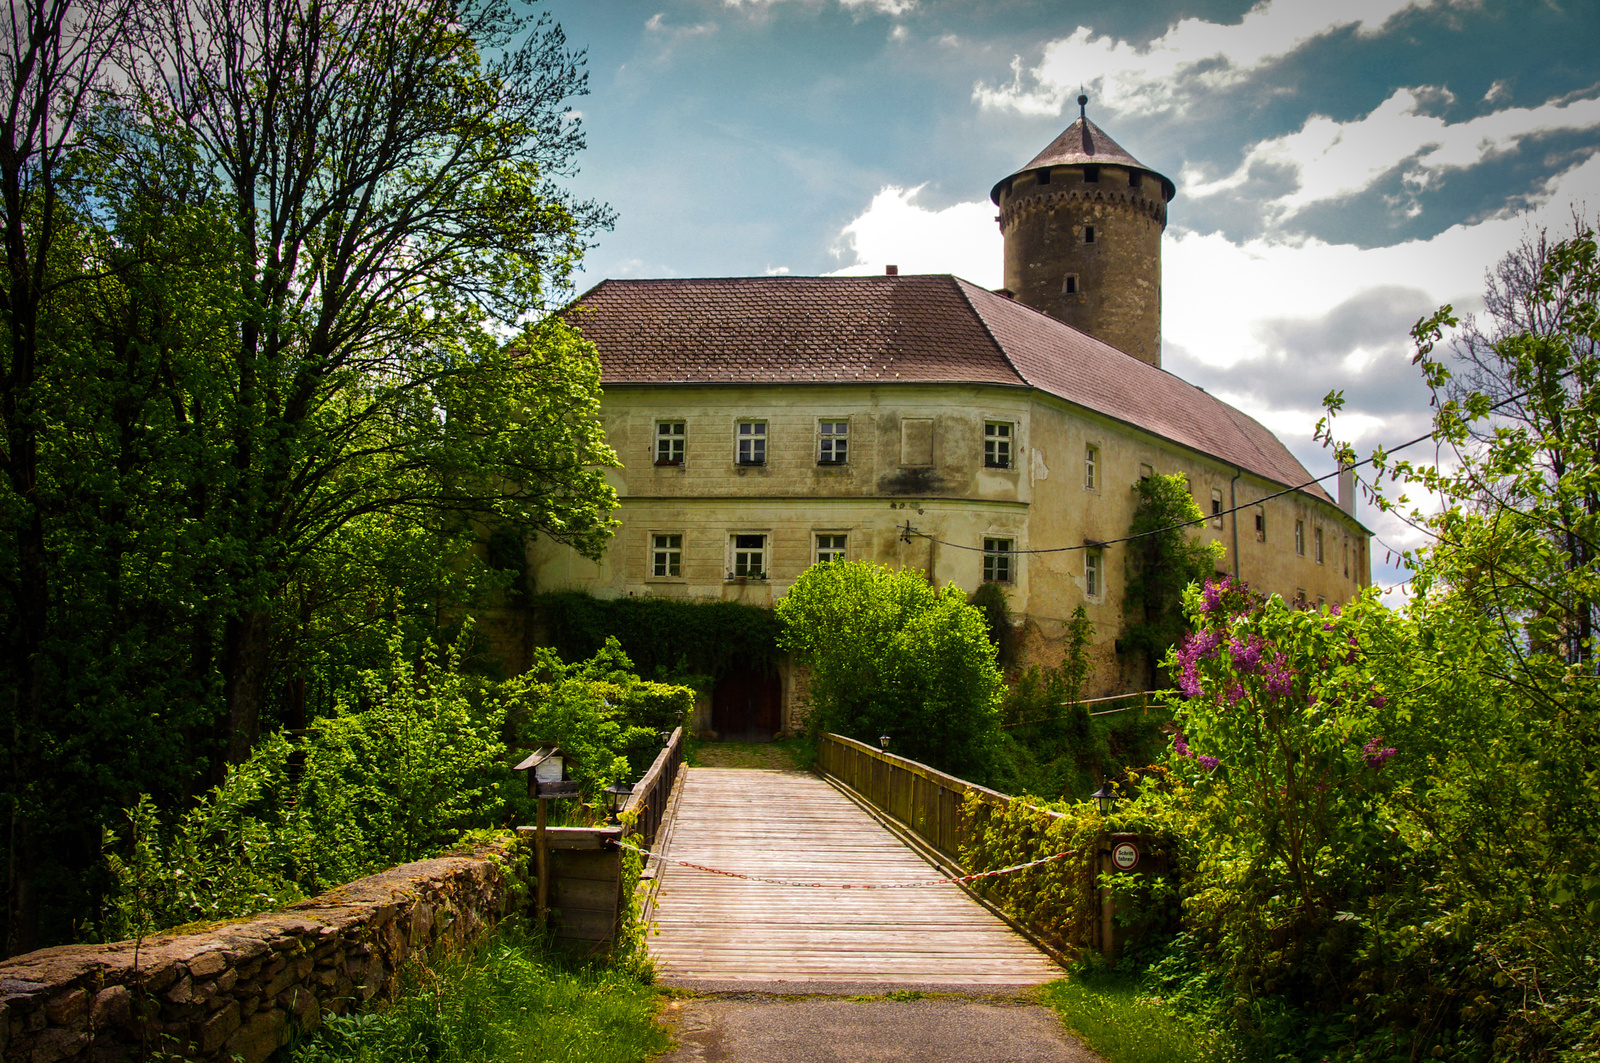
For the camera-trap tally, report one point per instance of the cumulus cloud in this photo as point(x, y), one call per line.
point(1335, 159)
point(895, 230)
point(882, 7)
point(1193, 56)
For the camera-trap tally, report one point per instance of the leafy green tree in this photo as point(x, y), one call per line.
point(891, 655)
point(1162, 561)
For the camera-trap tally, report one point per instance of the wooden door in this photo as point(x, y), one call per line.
point(747, 705)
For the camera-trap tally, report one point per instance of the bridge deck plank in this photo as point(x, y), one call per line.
point(791, 825)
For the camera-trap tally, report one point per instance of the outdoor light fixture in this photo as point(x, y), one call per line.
point(883, 741)
point(617, 795)
point(1105, 799)
point(666, 738)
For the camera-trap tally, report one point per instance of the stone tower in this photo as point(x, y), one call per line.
point(1082, 224)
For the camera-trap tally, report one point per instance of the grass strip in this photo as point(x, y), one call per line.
point(510, 999)
point(1123, 1023)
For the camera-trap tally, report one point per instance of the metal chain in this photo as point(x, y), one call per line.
point(849, 885)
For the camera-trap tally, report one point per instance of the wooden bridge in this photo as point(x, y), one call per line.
point(796, 829)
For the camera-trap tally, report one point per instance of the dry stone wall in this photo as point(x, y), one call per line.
point(236, 990)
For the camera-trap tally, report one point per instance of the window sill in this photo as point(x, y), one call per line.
point(751, 464)
point(674, 464)
point(745, 579)
point(831, 464)
point(999, 468)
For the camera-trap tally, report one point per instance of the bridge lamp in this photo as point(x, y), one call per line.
point(1105, 799)
point(883, 742)
point(617, 795)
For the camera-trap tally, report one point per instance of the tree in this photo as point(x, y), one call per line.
point(890, 655)
point(393, 198)
point(1162, 560)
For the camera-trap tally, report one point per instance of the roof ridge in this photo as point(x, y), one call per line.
point(983, 323)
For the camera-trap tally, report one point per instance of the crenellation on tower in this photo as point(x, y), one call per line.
point(1082, 225)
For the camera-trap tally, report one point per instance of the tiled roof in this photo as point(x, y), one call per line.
point(926, 329)
point(1084, 143)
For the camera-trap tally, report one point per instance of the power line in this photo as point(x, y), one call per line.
point(909, 531)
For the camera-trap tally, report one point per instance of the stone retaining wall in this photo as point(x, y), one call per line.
point(234, 990)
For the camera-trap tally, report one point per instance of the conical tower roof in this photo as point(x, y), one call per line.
point(1084, 143)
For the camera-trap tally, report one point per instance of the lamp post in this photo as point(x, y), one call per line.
point(883, 743)
point(1105, 799)
point(616, 797)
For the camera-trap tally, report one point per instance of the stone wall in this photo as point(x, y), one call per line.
point(235, 990)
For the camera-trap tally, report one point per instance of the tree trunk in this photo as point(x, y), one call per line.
point(246, 660)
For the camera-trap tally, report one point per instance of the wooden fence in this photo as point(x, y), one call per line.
point(650, 793)
point(925, 801)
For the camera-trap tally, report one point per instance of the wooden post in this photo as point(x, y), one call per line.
point(541, 857)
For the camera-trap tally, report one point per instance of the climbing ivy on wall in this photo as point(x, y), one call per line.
point(664, 637)
point(1162, 561)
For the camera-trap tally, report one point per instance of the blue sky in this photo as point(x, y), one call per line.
point(1342, 168)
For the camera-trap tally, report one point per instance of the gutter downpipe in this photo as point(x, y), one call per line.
point(1233, 503)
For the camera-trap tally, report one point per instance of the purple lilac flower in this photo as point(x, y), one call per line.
point(1376, 753)
point(1208, 762)
point(1234, 693)
point(1280, 677)
point(1246, 654)
point(1378, 701)
point(1179, 746)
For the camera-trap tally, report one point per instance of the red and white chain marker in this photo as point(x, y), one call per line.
point(849, 885)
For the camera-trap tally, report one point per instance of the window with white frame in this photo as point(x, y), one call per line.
point(997, 444)
point(1300, 537)
point(833, 439)
point(999, 561)
point(830, 546)
point(747, 556)
point(752, 439)
point(666, 556)
point(1091, 466)
point(1093, 572)
point(669, 442)
point(1316, 540)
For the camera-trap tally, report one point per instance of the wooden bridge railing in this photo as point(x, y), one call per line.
point(927, 802)
point(651, 792)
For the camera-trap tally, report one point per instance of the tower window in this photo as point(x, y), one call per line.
point(1135, 179)
point(1088, 234)
point(997, 445)
point(1069, 284)
point(1044, 177)
point(1091, 175)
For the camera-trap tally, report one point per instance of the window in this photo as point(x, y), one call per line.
point(830, 547)
point(749, 557)
point(669, 442)
point(1044, 177)
point(1261, 525)
point(1135, 179)
point(1300, 598)
point(1347, 557)
point(1300, 537)
point(666, 556)
point(1322, 604)
point(1088, 234)
point(997, 558)
point(1216, 508)
point(1146, 471)
point(997, 445)
point(1091, 467)
point(832, 439)
point(1091, 175)
point(1092, 582)
point(752, 443)
point(1316, 539)
point(1069, 284)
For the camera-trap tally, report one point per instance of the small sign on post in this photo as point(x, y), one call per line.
point(548, 780)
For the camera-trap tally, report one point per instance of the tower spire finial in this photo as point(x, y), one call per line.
point(1083, 102)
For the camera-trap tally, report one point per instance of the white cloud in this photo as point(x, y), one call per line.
point(1335, 159)
point(882, 7)
point(777, 271)
point(1192, 56)
point(962, 239)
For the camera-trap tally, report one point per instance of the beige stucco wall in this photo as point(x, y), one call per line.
point(1043, 501)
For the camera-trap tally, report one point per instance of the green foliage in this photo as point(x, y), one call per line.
point(509, 999)
point(255, 394)
point(671, 640)
point(891, 655)
point(1124, 1023)
point(605, 718)
point(400, 771)
point(1161, 562)
point(991, 598)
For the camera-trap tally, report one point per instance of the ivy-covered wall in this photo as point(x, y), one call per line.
point(666, 638)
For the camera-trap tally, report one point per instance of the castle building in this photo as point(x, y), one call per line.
point(769, 423)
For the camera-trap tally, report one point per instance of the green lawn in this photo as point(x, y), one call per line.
point(1123, 1023)
point(508, 1000)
